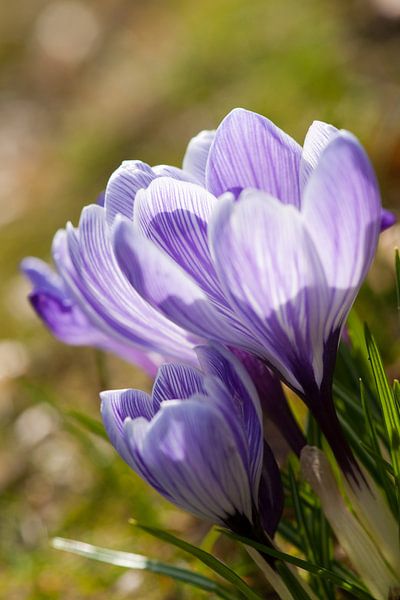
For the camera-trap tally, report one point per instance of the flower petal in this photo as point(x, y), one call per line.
point(89, 266)
point(342, 210)
point(195, 159)
point(174, 215)
point(165, 285)
point(176, 381)
point(249, 151)
point(63, 316)
point(388, 218)
point(122, 187)
point(243, 401)
point(175, 451)
point(116, 407)
point(271, 497)
point(271, 271)
point(128, 179)
point(319, 135)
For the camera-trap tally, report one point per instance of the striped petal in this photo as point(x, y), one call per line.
point(271, 271)
point(342, 210)
point(116, 407)
point(244, 403)
point(174, 215)
point(67, 322)
point(177, 381)
point(249, 151)
point(165, 285)
point(123, 186)
point(88, 264)
point(128, 179)
point(174, 450)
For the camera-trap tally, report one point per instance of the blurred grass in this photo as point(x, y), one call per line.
point(154, 74)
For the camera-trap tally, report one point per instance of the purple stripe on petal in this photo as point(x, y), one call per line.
point(174, 215)
point(89, 265)
point(242, 397)
point(175, 450)
point(165, 285)
point(116, 407)
point(177, 381)
point(273, 400)
point(249, 151)
point(122, 187)
point(63, 316)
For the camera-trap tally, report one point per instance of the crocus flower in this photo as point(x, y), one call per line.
point(89, 302)
point(274, 265)
point(198, 441)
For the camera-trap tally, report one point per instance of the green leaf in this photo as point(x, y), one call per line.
point(390, 409)
point(306, 565)
point(139, 562)
point(213, 563)
point(381, 474)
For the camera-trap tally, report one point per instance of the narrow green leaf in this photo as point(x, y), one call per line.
point(139, 562)
point(390, 411)
point(213, 563)
point(306, 565)
point(381, 474)
point(292, 583)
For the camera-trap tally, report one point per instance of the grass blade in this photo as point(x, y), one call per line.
point(390, 409)
point(139, 562)
point(213, 563)
point(353, 588)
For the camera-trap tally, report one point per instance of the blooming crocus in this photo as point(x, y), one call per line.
point(272, 266)
point(198, 441)
point(89, 302)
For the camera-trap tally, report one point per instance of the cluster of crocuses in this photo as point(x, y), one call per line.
point(238, 272)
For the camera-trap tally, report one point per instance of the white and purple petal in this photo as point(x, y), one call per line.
point(342, 210)
point(249, 151)
point(177, 381)
point(87, 263)
point(174, 215)
point(165, 285)
point(175, 451)
point(272, 274)
point(116, 407)
point(242, 402)
point(196, 155)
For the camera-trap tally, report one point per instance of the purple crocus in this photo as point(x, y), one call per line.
point(89, 302)
point(198, 441)
point(272, 266)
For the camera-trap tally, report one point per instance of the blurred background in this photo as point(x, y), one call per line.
point(83, 86)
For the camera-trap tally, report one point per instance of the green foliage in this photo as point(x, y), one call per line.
point(139, 562)
point(205, 557)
